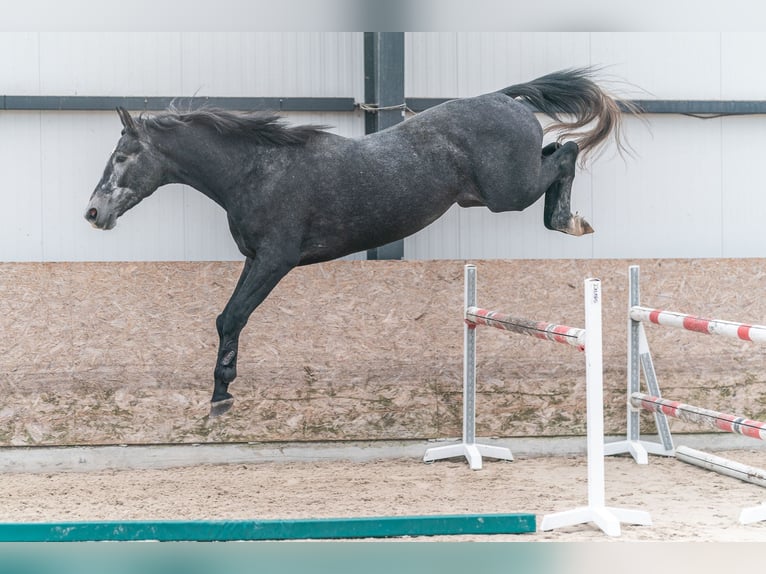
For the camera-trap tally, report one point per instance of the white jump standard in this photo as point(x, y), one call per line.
point(606, 518)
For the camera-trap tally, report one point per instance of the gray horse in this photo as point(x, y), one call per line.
point(301, 195)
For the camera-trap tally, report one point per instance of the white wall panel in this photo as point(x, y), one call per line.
point(184, 64)
point(677, 65)
point(431, 65)
point(488, 62)
point(19, 63)
point(741, 69)
point(457, 64)
point(273, 64)
point(110, 64)
point(664, 202)
point(21, 198)
point(743, 201)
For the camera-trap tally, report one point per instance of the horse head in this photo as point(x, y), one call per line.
point(134, 171)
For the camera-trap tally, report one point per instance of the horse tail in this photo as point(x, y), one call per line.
point(573, 93)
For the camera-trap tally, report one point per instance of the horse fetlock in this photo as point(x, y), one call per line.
point(225, 373)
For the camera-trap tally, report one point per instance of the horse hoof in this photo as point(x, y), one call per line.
point(578, 226)
point(218, 408)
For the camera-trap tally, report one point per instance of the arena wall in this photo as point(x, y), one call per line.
point(123, 353)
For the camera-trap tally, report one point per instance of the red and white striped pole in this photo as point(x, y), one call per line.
point(690, 413)
point(538, 329)
point(742, 331)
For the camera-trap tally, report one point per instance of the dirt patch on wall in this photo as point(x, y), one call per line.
point(102, 353)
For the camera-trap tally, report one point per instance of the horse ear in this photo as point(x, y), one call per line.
point(127, 121)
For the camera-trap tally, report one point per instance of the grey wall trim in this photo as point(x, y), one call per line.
point(340, 104)
point(681, 107)
point(137, 103)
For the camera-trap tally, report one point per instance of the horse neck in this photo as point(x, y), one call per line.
point(205, 160)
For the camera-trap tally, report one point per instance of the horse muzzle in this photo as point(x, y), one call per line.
point(100, 219)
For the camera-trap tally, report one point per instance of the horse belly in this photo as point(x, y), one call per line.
point(366, 223)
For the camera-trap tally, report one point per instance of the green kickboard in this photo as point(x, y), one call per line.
point(297, 529)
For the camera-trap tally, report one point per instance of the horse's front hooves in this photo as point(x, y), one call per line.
point(218, 408)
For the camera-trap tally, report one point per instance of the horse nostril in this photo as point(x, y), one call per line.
point(92, 214)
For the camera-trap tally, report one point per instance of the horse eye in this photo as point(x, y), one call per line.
point(120, 158)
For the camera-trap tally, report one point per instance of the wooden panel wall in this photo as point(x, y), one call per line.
point(98, 353)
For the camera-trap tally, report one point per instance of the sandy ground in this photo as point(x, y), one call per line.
point(685, 503)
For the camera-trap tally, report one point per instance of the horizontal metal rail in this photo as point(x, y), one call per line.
point(703, 108)
point(23, 102)
point(139, 103)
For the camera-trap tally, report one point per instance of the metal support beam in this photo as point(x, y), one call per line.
point(374, 121)
point(138, 103)
point(702, 108)
point(384, 100)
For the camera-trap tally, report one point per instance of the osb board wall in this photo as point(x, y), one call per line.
point(104, 353)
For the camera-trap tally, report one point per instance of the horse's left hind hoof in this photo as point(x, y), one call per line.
point(578, 226)
point(218, 408)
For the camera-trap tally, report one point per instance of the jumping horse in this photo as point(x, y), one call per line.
point(296, 195)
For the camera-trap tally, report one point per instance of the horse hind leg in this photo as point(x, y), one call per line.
point(557, 175)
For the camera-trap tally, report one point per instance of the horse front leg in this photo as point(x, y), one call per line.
point(255, 283)
point(556, 177)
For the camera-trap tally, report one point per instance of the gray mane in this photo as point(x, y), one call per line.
point(264, 128)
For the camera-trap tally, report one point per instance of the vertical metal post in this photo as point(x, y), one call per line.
point(469, 361)
point(384, 89)
point(467, 447)
point(640, 359)
point(632, 443)
point(634, 367)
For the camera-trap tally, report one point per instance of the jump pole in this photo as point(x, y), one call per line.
point(606, 518)
point(689, 413)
